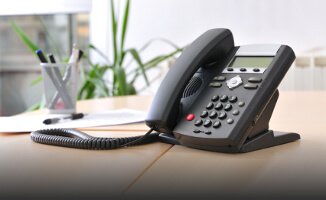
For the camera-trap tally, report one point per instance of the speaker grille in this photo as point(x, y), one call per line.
point(192, 87)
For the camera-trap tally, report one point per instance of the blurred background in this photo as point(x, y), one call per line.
point(171, 24)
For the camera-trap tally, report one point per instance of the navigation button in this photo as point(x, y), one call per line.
point(234, 82)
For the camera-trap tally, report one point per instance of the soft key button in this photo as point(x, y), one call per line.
point(254, 79)
point(250, 86)
point(219, 78)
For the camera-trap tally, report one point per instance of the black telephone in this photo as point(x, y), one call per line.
point(216, 97)
point(220, 97)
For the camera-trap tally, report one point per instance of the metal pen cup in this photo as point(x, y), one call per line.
point(60, 87)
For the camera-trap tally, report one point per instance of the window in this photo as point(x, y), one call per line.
point(54, 26)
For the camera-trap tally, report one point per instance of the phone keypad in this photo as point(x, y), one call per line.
point(221, 110)
point(224, 110)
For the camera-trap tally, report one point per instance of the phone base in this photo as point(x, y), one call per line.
point(264, 140)
point(168, 138)
point(268, 139)
point(258, 137)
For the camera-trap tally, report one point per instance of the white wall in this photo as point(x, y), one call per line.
point(298, 23)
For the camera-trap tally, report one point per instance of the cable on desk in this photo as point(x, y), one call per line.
point(77, 139)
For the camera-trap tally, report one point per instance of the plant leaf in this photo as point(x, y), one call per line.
point(52, 43)
point(131, 90)
point(152, 63)
point(150, 42)
point(114, 34)
point(141, 66)
point(166, 41)
point(32, 46)
point(121, 82)
point(100, 53)
point(37, 80)
point(123, 31)
point(155, 61)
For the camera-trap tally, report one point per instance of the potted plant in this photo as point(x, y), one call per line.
point(112, 78)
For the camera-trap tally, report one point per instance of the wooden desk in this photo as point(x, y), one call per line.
point(163, 171)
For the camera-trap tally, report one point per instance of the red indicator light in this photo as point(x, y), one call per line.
point(190, 117)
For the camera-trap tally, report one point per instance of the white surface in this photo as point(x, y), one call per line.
point(299, 24)
point(21, 7)
point(35, 122)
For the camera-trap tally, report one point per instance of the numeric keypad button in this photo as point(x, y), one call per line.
point(204, 114)
point(216, 124)
point(207, 123)
point(198, 122)
point(210, 105)
point(233, 99)
point(224, 98)
point(215, 98)
point(219, 106)
point(213, 114)
point(222, 115)
point(227, 107)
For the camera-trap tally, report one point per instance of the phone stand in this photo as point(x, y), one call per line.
point(259, 136)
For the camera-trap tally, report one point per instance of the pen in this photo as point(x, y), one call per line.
point(73, 116)
point(80, 54)
point(41, 56)
point(51, 57)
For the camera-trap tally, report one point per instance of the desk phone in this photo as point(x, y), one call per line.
point(216, 97)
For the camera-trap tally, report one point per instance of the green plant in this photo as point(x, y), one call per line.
point(126, 65)
point(122, 82)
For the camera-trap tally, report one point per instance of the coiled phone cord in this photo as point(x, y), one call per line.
point(77, 139)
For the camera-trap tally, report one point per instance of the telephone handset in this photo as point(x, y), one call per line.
point(216, 97)
point(220, 97)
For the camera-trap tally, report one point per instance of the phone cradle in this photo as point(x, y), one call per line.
point(259, 137)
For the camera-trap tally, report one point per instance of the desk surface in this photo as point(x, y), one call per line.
point(162, 170)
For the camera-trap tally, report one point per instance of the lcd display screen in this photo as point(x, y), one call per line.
point(251, 62)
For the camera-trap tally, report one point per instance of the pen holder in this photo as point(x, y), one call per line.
point(60, 87)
